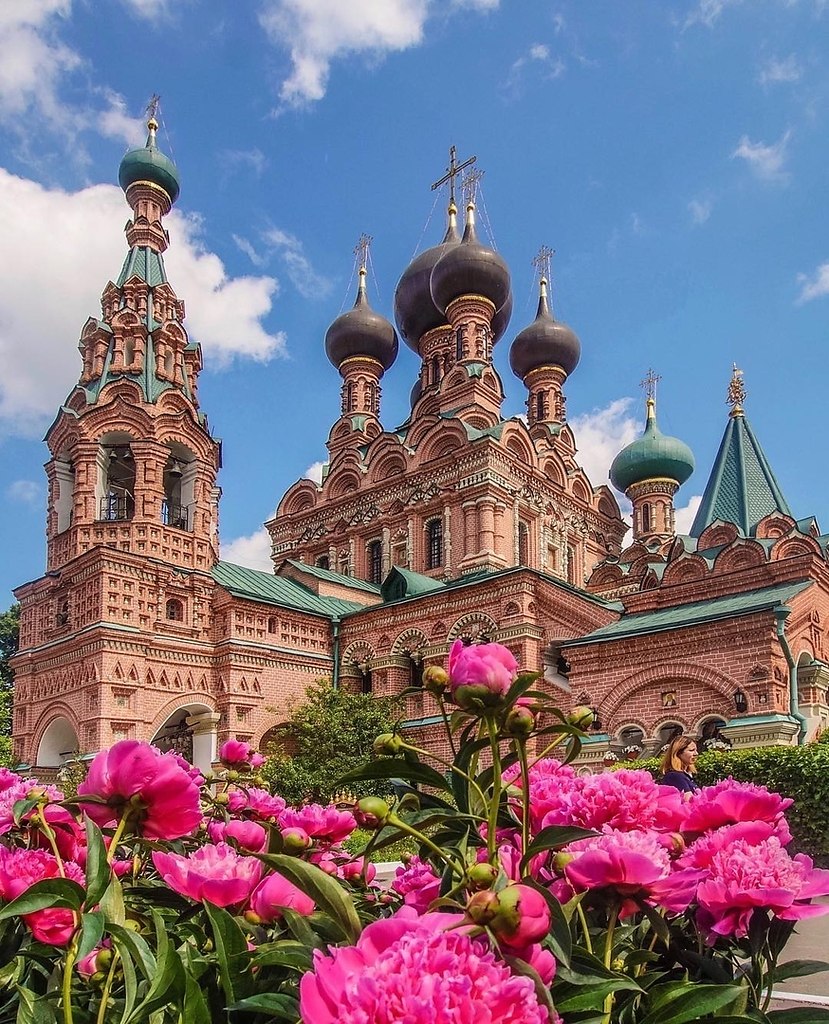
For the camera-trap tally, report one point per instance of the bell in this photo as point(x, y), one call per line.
point(175, 469)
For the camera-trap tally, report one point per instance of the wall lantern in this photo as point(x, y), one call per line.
point(740, 701)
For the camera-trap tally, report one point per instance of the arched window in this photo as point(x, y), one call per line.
point(646, 518)
point(175, 508)
point(323, 562)
point(342, 564)
point(434, 544)
point(118, 473)
point(435, 369)
point(523, 544)
point(541, 406)
point(375, 561)
point(129, 352)
point(459, 352)
point(174, 610)
point(351, 397)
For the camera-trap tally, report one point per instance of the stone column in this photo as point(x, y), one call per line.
point(204, 726)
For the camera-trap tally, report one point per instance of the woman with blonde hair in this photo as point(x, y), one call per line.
point(679, 763)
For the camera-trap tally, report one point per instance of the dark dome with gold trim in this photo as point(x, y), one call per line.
point(545, 342)
point(470, 268)
point(361, 332)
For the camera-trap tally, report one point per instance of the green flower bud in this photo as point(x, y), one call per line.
point(582, 717)
point(435, 679)
point(387, 743)
point(482, 907)
point(371, 812)
point(520, 722)
point(482, 876)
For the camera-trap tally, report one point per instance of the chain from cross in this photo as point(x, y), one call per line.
point(361, 249)
point(649, 383)
point(452, 171)
point(543, 262)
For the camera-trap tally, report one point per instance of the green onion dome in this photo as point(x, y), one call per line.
point(652, 456)
point(361, 332)
point(148, 163)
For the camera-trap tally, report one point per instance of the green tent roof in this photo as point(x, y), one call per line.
point(335, 577)
point(742, 488)
point(255, 585)
point(405, 583)
point(684, 615)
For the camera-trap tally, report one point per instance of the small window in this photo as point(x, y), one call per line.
point(272, 625)
point(435, 369)
point(416, 667)
point(541, 406)
point(434, 544)
point(523, 544)
point(62, 616)
point(646, 518)
point(375, 561)
point(323, 562)
point(175, 610)
point(365, 684)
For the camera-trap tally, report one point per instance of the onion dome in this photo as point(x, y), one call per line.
point(148, 163)
point(500, 322)
point(361, 332)
point(653, 456)
point(470, 268)
point(416, 392)
point(546, 342)
point(414, 311)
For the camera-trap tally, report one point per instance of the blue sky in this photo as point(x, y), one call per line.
point(673, 154)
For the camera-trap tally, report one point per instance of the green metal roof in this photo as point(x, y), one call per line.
point(654, 455)
point(255, 585)
point(335, 577)
point(684, 615)
point(742, 488)
point(405, 583)
point(144, 263)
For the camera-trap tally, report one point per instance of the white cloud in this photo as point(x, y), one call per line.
point(304, 278)
point(33, 59)
point(708, 12)
point(539, 57)
point(28, 492)
point(253, 551)
point(775, 70)
point(684, 517)
point(318, 32)
point(235, 159)
point(636, 224)
point(149, 10)
point(50, 283)
point(601, 434)
point(700, 210)
point(314, 472)
point(815, 285)
point(766, 161)
point(247, 248)
point(116, 123)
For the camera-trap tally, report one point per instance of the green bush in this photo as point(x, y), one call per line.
point(801, 773)
point(358, 840)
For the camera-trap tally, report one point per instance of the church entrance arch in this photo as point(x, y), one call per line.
point(58, 744)
point(190, 731)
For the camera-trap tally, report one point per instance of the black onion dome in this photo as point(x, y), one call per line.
point(546, 342)
point(415, 393)
point(470, 268)
point(414, 311)
point(361, 332)
point(500, 322)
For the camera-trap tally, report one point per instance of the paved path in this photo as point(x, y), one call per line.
point(809, 942)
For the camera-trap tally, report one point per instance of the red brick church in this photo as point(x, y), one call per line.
point(457, 523)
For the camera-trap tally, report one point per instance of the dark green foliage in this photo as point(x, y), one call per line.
point(9, 640)
point(326, 736)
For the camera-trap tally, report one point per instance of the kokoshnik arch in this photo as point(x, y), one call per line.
point(455, 524)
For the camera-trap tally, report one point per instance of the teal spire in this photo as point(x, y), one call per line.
point(148, 163)
point(742, 488)
point(653, 456)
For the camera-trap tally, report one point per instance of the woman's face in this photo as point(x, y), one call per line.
point(688, 756)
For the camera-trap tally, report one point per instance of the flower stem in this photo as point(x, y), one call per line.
point(521, 745)
point(448, 727)
point(495, 802)
point(608, 959)
point(66, 988)
point(398, 823)
point(588, 942)
point(102, 1009)
point(119, 832)
point(49, 832)
point(450, 766)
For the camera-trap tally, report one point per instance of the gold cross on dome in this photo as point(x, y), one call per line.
point(543, 262)
point(452, 171)
point(361, 249)
point(649, 383)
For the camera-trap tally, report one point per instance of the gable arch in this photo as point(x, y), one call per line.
point(718, 534)
point(685, 569)
point(741, 554)
point(720, 685)
point(475, 623)
point(794, 547)
point(409, 641)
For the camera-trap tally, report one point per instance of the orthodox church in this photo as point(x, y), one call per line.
point(456, 524)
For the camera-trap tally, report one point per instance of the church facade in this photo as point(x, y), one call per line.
point(457, 524)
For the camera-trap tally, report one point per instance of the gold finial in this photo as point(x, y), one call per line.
point(151, 113)
point(452, 171)
point(649, 382)
point(736, 391)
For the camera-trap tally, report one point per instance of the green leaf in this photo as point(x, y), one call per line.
point(112, 902)
point(590, 996)
point(796, 969)
point(286, 953)
point(523, 681)
point(682, 1002)
point(92, 931)
point(195, 1009)
point(274, 1003)
point(22, 807)
point(98, 871)
point(33, 1009)
point(231, 952)
point(166, 988)
point(328, 894)
point(300, 929)
point(136, 947)
point(799, 1015)
point(51, 892)
point(553, 837)
point(396, 768)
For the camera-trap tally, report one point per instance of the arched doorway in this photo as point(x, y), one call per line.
point(58, 744)
point(191, 732)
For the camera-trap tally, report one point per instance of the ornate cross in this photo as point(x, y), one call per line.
point(361, 249)
point(736, 390)
point(649, 384)
point(152, 107)
point(469, 185)
point(452, 171)
point(543, 262)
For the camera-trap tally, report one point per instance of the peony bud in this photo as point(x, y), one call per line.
point(521, 917)
point(560, 862)
point(435, 679)
point(582, 717)
point(295, 841)
point(482, 876)
point(482, 907)
point(387, 743)
point(371, 812)
point(520, 722)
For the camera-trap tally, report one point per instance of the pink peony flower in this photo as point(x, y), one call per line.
point(194, 773)
point(8, 778)
point(235, 754)
point(551, 787)
point(522, 916)
point(417, 883)
point(136, 778)
point(409, 969)
point(20, 790)
point(630, 864)
point(273, 894)
point(745, 875)
point(258, 804)
point(625, 800)
point(728, 802)
point(249, 835)
point(19, 870)
point(326, 824)
point(701, 852)
point(480, 672)
point(217, 874)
